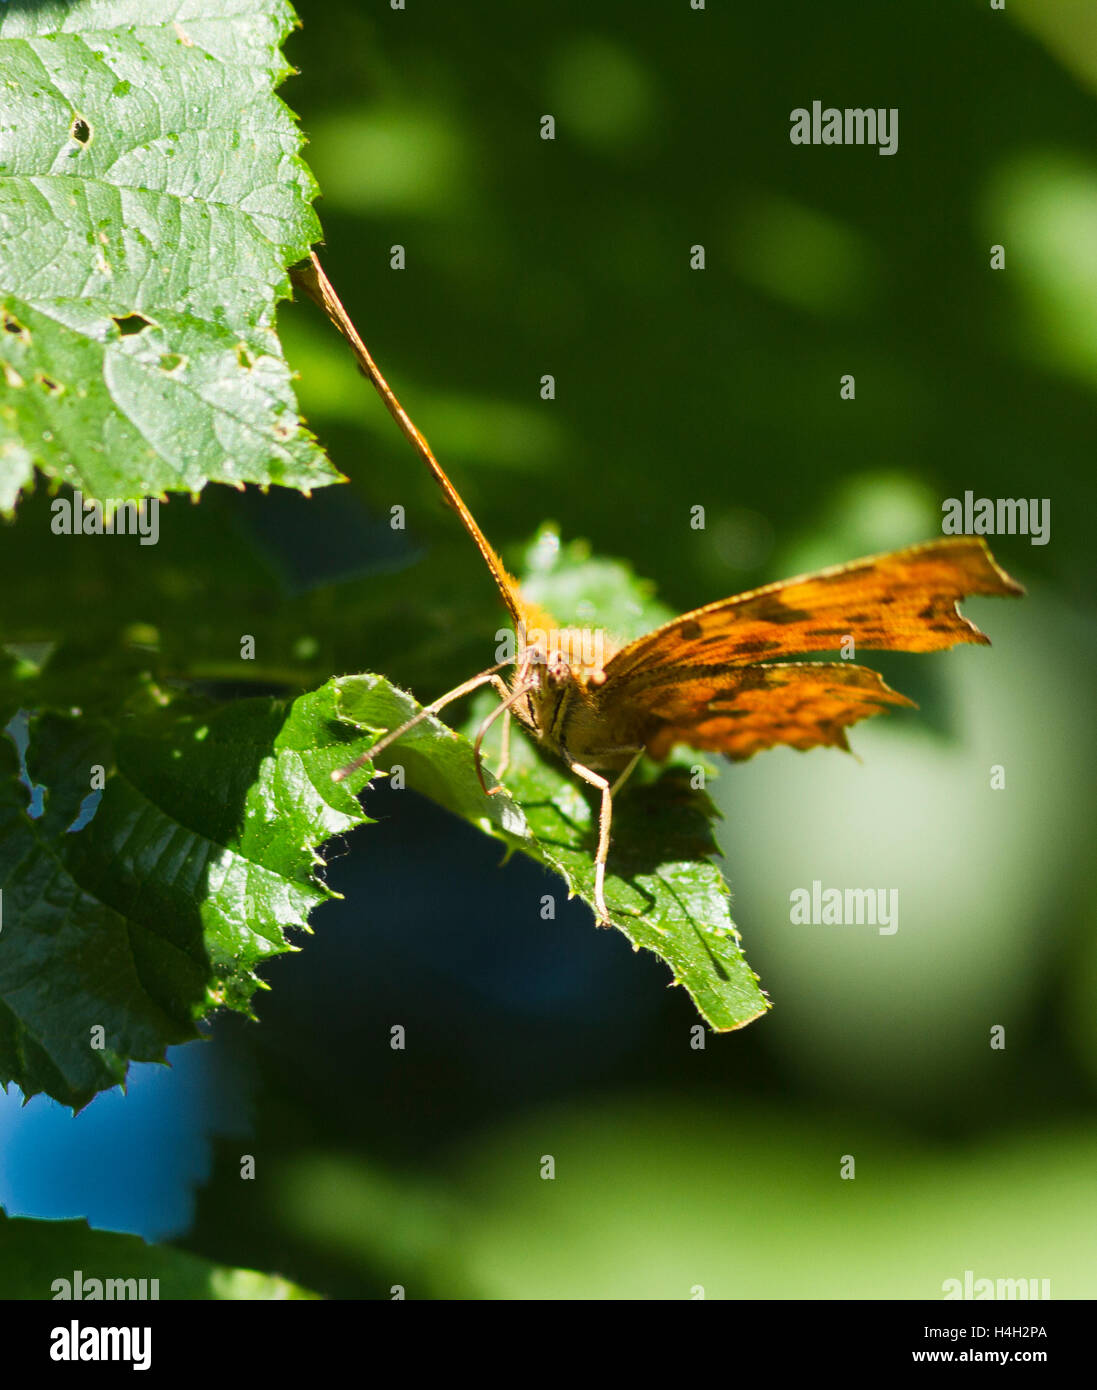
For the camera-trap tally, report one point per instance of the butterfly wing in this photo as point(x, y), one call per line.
point(902, 601)
point(707, 678)
point(741, 711)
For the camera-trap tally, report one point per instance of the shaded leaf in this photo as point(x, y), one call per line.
point(35, 1254)
point(188, 614)
point(200, 856)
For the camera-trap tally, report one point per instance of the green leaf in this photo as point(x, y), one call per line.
point(35, 1254)
point(210, 582)
point(139, 911)
point(152, 196)
point(583, 590)
point(198, 859)
point(662, 889)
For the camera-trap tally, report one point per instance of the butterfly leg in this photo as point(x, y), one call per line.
point(510, 697)
point(504, 761)
point(637, 755)
point(504, 755)
point(605, 819)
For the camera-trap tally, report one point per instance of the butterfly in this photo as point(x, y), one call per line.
point(723, 678)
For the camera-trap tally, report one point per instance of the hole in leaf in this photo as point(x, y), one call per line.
point(244, 357)
point(12, 325)
point(48, 383)
point(132, 323)
point(86, 813)
point(80, 130)
point(170, 360)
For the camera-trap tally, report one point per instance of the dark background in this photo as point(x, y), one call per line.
point(675, 1167)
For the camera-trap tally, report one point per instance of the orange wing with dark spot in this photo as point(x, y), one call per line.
point(904, 601)
point(707, 679)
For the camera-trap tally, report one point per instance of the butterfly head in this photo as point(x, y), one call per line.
point(556, 671)
point(556, 657)
point(544, 670)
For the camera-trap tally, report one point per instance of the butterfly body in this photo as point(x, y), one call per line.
point(556, 688)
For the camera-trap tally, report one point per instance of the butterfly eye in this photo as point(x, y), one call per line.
point(558, 669)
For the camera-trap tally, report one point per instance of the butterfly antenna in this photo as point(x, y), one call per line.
point(317, 285)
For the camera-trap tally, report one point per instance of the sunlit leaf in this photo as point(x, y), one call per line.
point(152, 195)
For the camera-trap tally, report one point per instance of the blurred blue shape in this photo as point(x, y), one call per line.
point(128, 1162)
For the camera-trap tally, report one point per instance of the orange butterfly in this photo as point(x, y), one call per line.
point(716, 678)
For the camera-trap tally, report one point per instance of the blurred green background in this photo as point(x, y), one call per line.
point(678, 1168)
